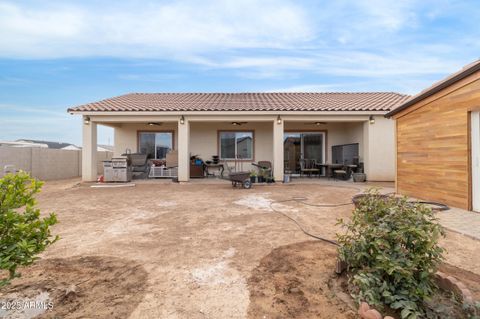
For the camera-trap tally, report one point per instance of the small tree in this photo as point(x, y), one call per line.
point(23, 234)
point(391, 249)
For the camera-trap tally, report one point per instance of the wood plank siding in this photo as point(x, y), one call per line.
point(433, 145)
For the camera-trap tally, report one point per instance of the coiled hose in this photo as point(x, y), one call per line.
point(302, 200)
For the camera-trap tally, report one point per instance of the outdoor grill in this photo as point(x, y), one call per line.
point(117, 170)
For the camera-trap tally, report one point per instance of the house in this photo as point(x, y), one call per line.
point(57, 145)
point(438, 141)
point(100, 148)
point(22, 144)
point(249, 126)
point(71, 147)
point(54, 145)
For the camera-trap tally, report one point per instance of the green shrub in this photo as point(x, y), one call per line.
point(391, 248)
point(23, 234)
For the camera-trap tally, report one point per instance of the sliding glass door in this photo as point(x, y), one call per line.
point(155, 144)
point(303, 146)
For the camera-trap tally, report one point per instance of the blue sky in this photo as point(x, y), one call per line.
point(57, 54)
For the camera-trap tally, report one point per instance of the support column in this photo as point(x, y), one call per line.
point(366, 148)
point(183, 150)
point(89, 151)
point(278, 159)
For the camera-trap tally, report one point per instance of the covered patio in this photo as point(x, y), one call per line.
point(289, 130)
point(285, 141)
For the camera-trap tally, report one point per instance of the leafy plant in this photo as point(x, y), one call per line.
point(23, 234)
point(391, 248)
point(472, 310)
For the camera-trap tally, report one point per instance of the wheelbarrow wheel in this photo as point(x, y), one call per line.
point(247, 184)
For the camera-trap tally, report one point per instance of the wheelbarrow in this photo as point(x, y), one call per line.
point(239, 177)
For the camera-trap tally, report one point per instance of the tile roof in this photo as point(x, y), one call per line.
point(161, 102)
point(467, 70)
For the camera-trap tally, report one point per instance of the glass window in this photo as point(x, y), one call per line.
point(155, 144)
point(236, 145)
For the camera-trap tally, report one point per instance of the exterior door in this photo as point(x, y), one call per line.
point(300, 146)
point(475, 138)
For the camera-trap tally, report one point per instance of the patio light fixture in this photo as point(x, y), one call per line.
point(279, 120)
point(86, 120)
point(238, 123)
point(154, 123)
point(182, 120)
point(371, 119)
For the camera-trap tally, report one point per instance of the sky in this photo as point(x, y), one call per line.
point(57, 54)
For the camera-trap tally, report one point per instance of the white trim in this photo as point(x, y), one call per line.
point(139, 118)
point(475, 138)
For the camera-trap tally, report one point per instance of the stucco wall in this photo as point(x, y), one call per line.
point(337, 133)
point(376, 141)
point(379, 149)
point(125, 135)
point(204, 139)
point(46, 163)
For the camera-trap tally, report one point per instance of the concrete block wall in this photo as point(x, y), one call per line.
point(46, 163)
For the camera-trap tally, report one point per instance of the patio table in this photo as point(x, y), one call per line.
point(218, 166)
point(330, 167)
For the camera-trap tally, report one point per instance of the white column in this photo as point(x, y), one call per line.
point(89, 152)
point(379, 149)
point(366, 149)
point(278, 159)
point(183, 151)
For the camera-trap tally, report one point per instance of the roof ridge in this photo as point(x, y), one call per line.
point(256, 93)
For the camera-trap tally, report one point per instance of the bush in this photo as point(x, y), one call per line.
point(391, 249)
point(23, 234)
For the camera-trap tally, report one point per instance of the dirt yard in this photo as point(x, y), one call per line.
point(164, 250)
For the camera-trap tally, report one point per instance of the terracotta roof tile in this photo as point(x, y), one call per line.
point(162, 102)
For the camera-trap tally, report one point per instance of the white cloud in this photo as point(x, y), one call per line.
point(170, 30)
point(388, 14)
point(43, 123)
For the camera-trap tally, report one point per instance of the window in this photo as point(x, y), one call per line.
point(155, 144)
point(236, 145)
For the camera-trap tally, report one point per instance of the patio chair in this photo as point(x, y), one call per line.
point(340, 174)
point(309, 167)
point(139, 163)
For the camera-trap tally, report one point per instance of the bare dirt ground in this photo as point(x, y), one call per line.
point(164, 250)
